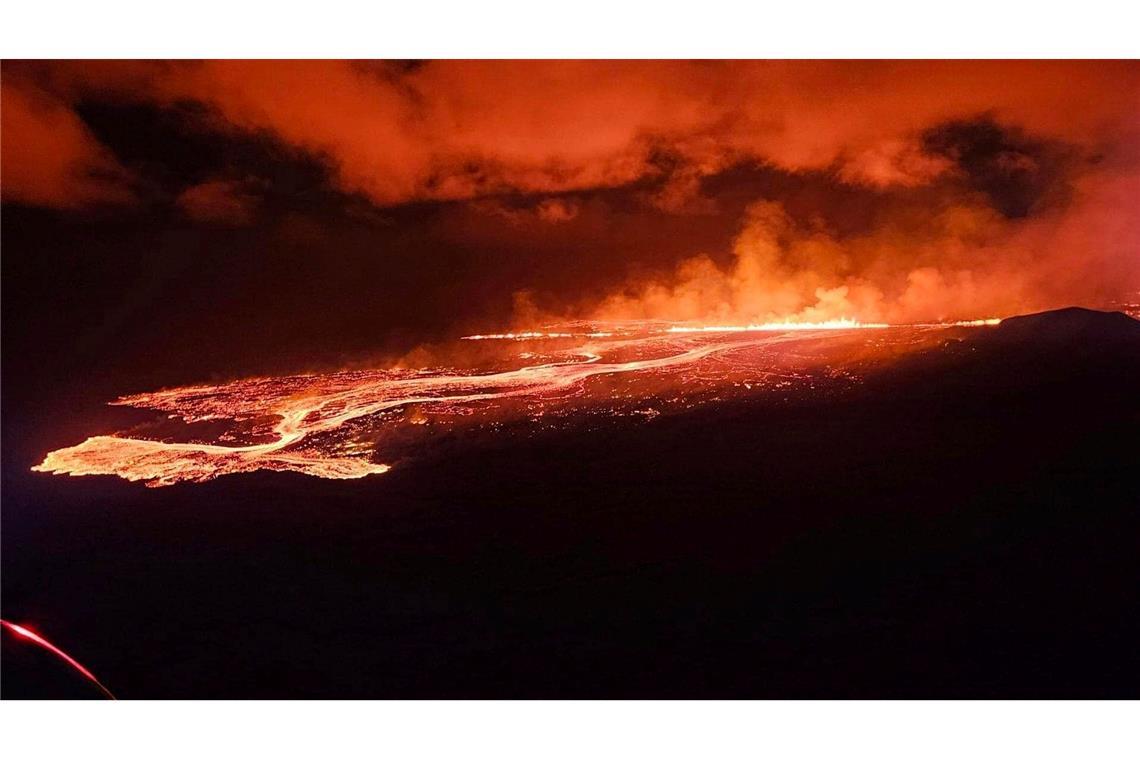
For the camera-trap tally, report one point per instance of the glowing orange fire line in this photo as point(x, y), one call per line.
point(35, 638)
point(831, 324)
point(842, 323)
point(536, 334)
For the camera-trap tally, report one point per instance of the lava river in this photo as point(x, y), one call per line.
point(352, 424)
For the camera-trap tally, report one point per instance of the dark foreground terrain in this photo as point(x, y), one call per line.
point(963, 525)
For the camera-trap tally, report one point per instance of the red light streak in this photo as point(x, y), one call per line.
point(35, 638)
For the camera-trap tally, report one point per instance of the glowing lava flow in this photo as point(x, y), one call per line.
point(975, 322)
point(533, 335)
point(35, 638)
point(335, 425)
point(831, 324)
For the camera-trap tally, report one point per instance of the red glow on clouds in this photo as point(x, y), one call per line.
point(1001, 186)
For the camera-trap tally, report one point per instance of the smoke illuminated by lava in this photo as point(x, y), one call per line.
point(352, 424)
point(404, 203)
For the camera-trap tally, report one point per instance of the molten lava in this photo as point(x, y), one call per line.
point(831, 324)
point(340, 425)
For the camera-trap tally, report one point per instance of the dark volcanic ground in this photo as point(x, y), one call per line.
point(965, 525)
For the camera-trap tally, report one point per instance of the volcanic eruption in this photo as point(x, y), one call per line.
point(571, 378)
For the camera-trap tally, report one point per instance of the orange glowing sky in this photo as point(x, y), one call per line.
point(332, 202)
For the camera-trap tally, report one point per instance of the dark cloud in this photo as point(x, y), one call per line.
point(1017, 173)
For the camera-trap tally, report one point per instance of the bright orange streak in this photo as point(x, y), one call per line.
point(518, 336)
point(831, 324)
point(535, 335)
point(976, 322)
point(34, 637)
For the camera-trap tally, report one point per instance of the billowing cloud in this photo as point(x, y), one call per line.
point(461, 129)
point(986, 186)
point(1018, 229)
point(50, 158)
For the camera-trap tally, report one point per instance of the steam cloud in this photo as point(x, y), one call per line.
point(1022, 175)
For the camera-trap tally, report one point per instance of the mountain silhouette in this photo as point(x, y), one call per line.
point(1086, 329)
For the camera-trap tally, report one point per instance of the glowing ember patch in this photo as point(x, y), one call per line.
point(35, 638)
point(518, 336)
point(336, 425)
point(975, 322)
